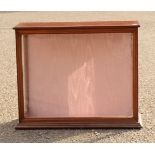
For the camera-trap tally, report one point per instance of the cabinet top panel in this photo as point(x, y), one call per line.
point(88, 24)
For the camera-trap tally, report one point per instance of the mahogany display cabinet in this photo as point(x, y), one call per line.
point(77, 74)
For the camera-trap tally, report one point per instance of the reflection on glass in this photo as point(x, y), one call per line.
point(78, 75)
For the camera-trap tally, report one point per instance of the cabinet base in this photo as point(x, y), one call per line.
point(49, 125)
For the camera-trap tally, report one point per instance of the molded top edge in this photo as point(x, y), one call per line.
point(95, 24)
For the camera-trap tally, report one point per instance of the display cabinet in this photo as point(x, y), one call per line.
point(77, 74)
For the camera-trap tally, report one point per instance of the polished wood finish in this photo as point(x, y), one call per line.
point(68, 28)
point(19, 76)
point(94, 24)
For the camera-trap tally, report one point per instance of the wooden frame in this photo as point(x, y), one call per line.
point(77, 27)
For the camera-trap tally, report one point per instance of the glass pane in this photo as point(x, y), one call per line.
point(78, 75)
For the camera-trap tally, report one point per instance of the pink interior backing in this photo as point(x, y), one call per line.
point(78, 75)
